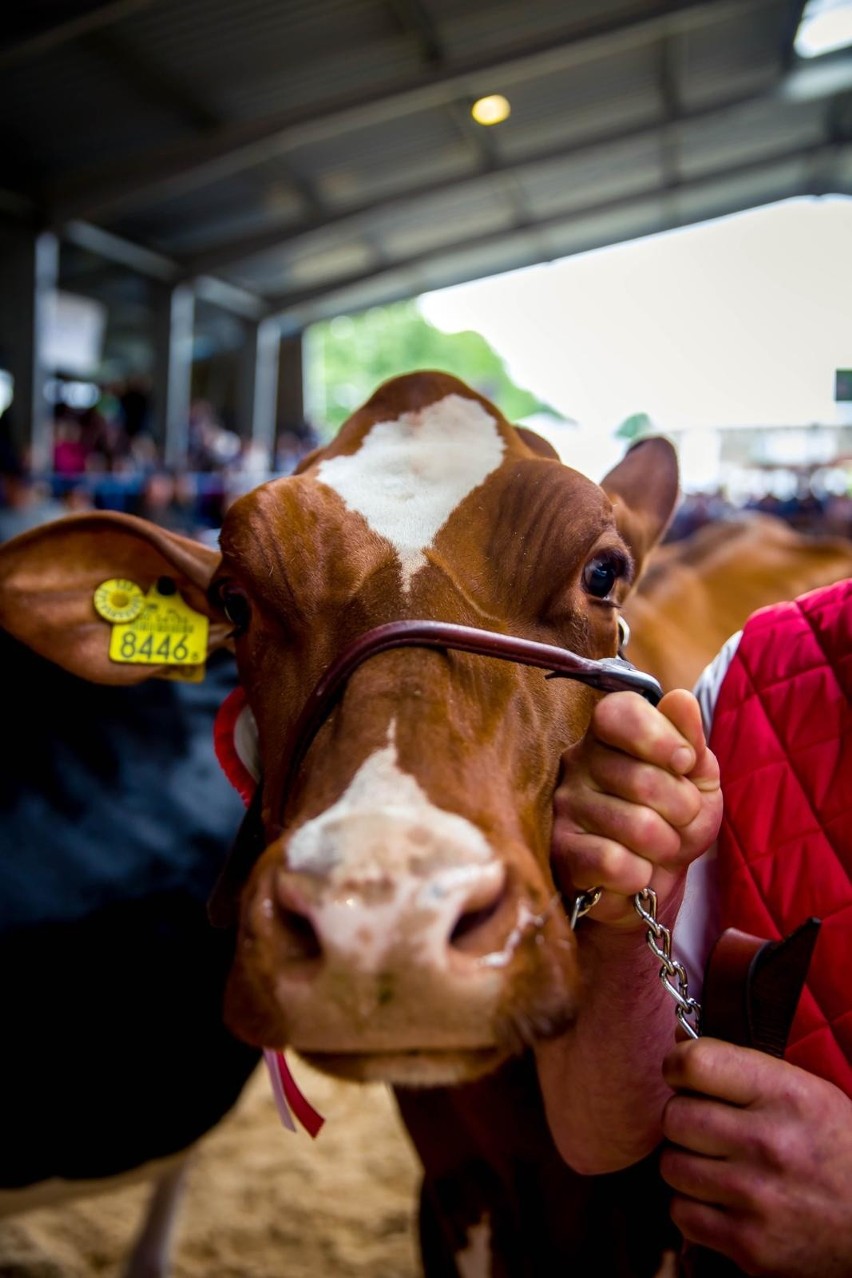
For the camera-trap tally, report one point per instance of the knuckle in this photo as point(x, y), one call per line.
point(649, 785)
point(585, 859)
point(691, 805)
point(772, 1146)
point(620, 717)
point(652, 832)
point(609, 861)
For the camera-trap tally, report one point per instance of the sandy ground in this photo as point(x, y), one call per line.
point(260, 1202)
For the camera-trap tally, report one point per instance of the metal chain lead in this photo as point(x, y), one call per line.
point(659, 938)
point(583, 902)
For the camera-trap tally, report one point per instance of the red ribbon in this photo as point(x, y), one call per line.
point(301, 1107)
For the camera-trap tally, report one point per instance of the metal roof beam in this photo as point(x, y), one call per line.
point(29, 30)
point(239, 301)
point(152, 84)
point(138, 180)
point(817, 159)
point(795, 9)
point(123, 252)
point(414, 19)
point(228, 253)
point(143, 261)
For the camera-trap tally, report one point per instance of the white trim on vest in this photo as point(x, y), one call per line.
point(698, 922)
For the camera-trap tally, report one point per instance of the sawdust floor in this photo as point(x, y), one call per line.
point(260, 1202)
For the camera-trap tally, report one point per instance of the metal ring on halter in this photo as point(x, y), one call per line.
point(583, 902)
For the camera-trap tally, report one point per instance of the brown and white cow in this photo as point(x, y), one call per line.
point(401, 922)
point(696, 593)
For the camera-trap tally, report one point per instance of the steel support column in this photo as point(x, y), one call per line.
point(29, 268)
point(291, 385)
point(173, 373)
point(259, 387)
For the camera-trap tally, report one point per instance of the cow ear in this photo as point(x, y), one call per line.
point(305, 463)
point(540, 446)
point(48, 578)
point(643, 488)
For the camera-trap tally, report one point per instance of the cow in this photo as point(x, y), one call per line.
point(398, 608)
point(697, 592)
point(115, 821)
point(397, 918)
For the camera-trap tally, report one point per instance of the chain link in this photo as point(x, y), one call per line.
point(659, 938)
point(672, 973)
point(583, 902)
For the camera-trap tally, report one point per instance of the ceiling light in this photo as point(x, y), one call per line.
point(826, 25)
point(493, 109)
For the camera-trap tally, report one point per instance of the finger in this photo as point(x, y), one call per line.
point(583, 861)
point(626, 721)
point(675, 798)
point(720, 1070)
point(708, 1226)
point(639, 830)
point(682, 710)
point(712, 1128)
point(684, 713)
point(706, 1180)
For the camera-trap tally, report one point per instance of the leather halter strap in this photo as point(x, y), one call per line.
point(607, 674)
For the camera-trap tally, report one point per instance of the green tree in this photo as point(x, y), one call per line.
point(635, 426)
point(349, 356)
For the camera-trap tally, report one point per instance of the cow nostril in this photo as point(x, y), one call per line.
point(294, 916)
point(472, 932)
point(301, 935)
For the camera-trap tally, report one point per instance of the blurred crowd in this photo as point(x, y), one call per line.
point(105, 458)
point(809, 509)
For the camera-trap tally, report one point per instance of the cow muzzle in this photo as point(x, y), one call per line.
point(388, 938)
point(394, 943)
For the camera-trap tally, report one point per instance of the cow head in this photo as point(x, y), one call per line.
point(401, 921)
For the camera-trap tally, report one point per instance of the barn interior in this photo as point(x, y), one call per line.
point(187, 188)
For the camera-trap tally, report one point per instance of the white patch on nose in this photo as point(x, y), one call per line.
point(409, 475)
point(392, 865)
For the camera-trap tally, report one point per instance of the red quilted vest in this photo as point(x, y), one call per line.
point(782, 731)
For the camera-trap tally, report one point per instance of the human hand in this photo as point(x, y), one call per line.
point(760, 1160)
point(638, 800)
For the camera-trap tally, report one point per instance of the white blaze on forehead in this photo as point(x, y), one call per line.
point(409, 475)
point(385, 833)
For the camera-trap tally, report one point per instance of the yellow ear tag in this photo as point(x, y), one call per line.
point(118, 600)
point(164, 632)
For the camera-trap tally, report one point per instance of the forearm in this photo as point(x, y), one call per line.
point(602, 1082)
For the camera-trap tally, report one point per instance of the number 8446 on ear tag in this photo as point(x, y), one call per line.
point(167, 632)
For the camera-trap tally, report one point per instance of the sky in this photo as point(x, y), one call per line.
point(740, 321)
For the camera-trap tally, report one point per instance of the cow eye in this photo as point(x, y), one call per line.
point(600, 575)
point(235, 606)
point(237, 609)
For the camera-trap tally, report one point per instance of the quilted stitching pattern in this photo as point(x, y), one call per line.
point(783, 734)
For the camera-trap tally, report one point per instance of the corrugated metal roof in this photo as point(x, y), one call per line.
point(320, 153)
